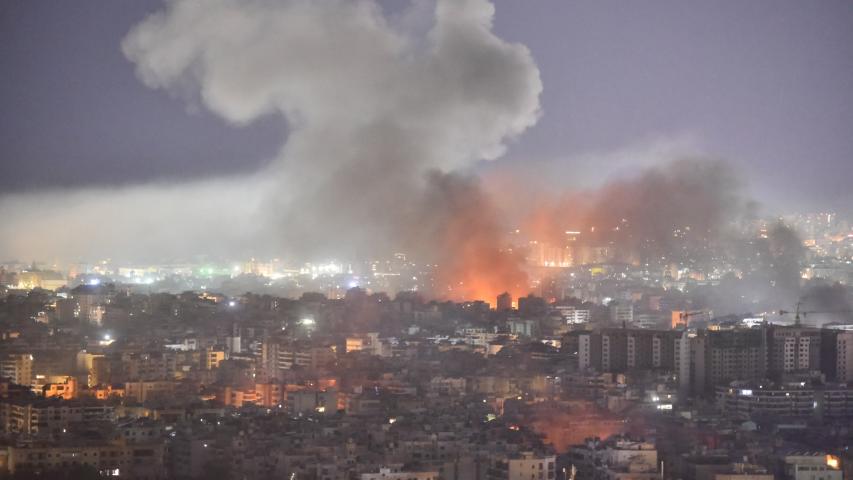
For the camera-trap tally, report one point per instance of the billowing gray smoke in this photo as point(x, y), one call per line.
point(770, 272)
point(371, 106)
point(373, 103)
point(680, 212)
point(688, 213)
point(826, 303)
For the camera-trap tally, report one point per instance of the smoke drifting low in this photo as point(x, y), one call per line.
point(386, 115)
point(680, 211)
point(686, 214)
point(827, 303)
point(374, 103)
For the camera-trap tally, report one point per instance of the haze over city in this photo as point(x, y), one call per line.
point(568, 226)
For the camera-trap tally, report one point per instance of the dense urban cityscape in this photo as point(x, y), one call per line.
point(263, 370)
point(426, 240)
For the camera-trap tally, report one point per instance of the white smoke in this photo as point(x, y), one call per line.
point(373, 102)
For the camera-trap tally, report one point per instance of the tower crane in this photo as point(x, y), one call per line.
point(799, 313)
point(685, 316)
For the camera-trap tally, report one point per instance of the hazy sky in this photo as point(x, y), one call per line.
point(767, 85)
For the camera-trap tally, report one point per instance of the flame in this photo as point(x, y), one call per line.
point(474, 260)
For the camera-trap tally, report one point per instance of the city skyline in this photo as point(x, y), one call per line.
point(408, 168)
point(426, 240)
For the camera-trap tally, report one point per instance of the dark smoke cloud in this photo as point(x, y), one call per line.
point(770, 267)
point(373, 103)
point(827, 303)
point(680, 212)
point(676, 213)
point(688, 213)
point(469, 241)
point(384, 113)
point(784, 258)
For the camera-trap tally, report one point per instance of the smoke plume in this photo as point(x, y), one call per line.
point(827, 303)
point(686, 216)
point(472, 237)
point(386, 116)
point(374, 104)
point(679, 212)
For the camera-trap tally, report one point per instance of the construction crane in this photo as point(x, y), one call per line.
point(685, 316)
point(798, 313)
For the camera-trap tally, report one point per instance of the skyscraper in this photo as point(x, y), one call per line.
point(504, 302)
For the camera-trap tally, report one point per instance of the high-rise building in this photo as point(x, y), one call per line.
point(793, 349)
point(531, 306)
point(17, 367)
point(619, 350)
point(844, 357)
point(736, 355)
point(690, 364)
point(233, 343)
point(710, 358)
point(504, 302)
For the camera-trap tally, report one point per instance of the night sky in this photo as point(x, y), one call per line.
point(767, 85)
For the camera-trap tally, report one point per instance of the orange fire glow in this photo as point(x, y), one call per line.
point(475, 261)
